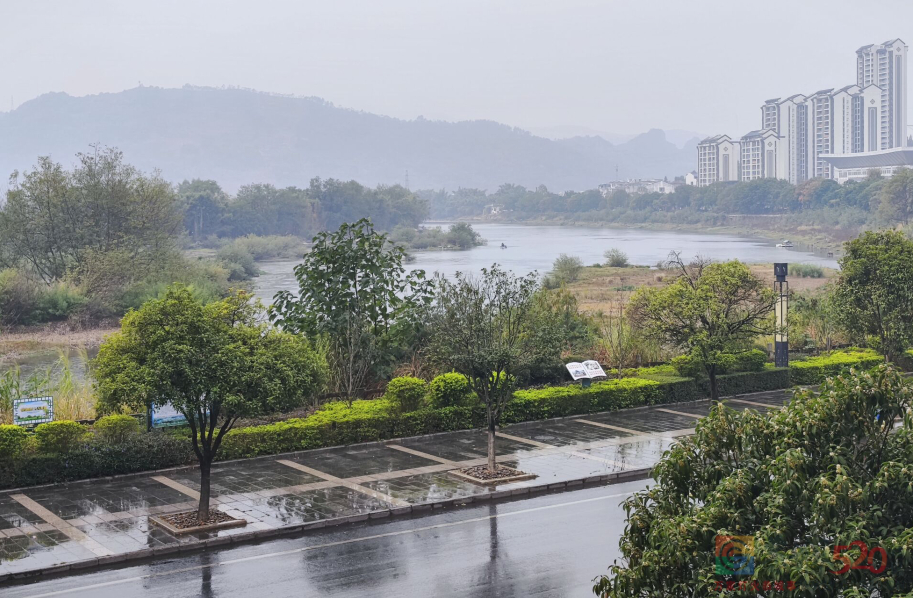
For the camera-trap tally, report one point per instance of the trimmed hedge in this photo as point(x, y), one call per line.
point(814, 370)
point(338, 424)
point(145, 452)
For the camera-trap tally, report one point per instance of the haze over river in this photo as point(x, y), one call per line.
point(533, 247)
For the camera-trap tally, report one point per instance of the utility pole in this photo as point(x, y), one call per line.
point(407, 181)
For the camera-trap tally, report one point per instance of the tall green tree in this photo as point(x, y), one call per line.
point(827, 470)
point(708, 310)
point(874, 292)
point(480, 330)
point(204, 206)
point(54, 220)
point(354, 291)
point(213, 363)
point(896, 197)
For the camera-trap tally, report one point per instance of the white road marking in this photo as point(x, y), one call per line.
point(326, 545)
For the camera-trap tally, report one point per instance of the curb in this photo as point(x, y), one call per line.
point(301, 528)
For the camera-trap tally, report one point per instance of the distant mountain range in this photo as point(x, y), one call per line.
point(239, 136)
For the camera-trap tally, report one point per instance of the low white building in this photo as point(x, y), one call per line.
point(637, 186)
point(855, 167)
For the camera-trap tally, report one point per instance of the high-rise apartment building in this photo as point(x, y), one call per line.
point(800, 135)
point(718, 160)
point(885, 65)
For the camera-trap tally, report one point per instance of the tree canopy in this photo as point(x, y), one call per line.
point(352, 290)
point(824, 472)
point(874, 292)
point(708, 311)
point(213, 363)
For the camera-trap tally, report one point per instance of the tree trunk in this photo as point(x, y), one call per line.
point(205, 471)
point(492, 463)
point(714, 390)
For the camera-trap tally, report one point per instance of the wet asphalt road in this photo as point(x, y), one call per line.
point(552, 545)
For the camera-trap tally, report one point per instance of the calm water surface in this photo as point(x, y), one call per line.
point(534, 248)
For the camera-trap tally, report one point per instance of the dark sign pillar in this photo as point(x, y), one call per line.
point(781, 309)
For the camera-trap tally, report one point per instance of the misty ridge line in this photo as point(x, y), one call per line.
point(236, 136)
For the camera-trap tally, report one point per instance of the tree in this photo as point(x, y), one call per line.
point(55, 220)
point(204, 204)
point(565, 269)
point(616, 258)
point(818, 315)
point(896, 197)
point(875, 290)
point(480, 331)
point(354, 291)
point(708, 310)
point(827, 470)
point(617, 335)
point(213, 363)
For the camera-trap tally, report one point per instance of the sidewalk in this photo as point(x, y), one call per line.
point(52, 529)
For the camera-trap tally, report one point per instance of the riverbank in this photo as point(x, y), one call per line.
point(25, 340)
point(815, 239)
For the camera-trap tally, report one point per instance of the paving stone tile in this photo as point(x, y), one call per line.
point(360, 460)
point(644, 420)
point(562, 432)
point(462, 446)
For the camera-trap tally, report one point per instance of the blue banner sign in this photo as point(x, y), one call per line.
point(167, 416)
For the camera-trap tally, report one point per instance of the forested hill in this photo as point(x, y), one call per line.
point(238, 136)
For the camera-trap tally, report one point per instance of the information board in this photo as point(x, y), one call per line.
point(587, 369)
point(167, 417)
point(33, 411)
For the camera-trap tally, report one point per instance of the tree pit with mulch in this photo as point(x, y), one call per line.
point(480, 474)
point(189, 522)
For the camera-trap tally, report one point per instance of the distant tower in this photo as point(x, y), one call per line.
point(407, 181)
point(885, 65)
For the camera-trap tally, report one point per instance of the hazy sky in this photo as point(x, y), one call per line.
point(621, 66)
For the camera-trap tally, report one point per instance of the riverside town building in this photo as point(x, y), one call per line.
point(841, 134)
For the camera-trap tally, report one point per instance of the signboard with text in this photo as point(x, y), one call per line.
point(33, 411)
point(585, 370)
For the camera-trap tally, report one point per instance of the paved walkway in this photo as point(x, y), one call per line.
point(99, 522)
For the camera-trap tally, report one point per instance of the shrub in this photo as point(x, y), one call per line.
point(143, 452)
point(239, 262)
point(12, 441)
point(448, 390)
point(116, 429)
point(816, 369)
point(616, 258)
point(566, 269)
point(806, 271)
point(60, 437)
point(749, 361)
point(560, 401)
point(406, 393)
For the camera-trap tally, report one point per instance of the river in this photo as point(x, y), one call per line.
point(529, 248)
point(534, 248)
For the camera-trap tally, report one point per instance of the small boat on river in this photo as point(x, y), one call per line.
point(785, 243)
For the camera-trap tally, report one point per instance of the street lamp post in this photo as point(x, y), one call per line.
point(781, 308)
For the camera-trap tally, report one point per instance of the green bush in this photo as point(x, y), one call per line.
point(448, 390)
point(561, 401)
point(749, 361)
point(806, 271)
point(144, 452)
point(746, 382)
point(239, 262)
point(616, 258)
point(816, 369)
point(116, 429)
point(60, 437)
point(12, 441)
point(57, 302)
point(406, 394)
